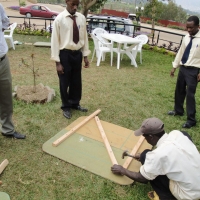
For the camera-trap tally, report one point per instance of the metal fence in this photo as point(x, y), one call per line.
point(160, 38)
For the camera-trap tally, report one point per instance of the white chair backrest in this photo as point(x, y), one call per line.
point(96, 42)
point(143, 38)
point(99, 31)
point(12, 28)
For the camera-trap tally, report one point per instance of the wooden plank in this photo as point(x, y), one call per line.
point(66, 135)
point(3, 165)
point(133, 152)
point(106, 142)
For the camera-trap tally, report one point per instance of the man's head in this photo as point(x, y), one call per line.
point(152, 129)
point(72, 6)
point(192, 25)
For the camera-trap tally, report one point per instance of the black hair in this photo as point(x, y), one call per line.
point(194, 19)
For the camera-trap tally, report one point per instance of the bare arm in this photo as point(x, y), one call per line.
point(172, 72)
point(136, 176)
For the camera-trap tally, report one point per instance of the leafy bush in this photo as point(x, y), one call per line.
point(26, 29)
point(23, 3)
point(149, 22)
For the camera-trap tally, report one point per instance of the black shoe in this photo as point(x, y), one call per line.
point(67, 114)
point(174, 113)
point(188, 125)
point(80, 108)
point(15, 135)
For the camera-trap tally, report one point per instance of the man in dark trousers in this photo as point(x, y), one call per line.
point(6, 103)
point(172, 168)
point(69, 46)
point(188, 59)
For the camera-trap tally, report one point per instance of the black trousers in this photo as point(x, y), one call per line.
point(161, 183)
point(186, 87)
point(70, 81)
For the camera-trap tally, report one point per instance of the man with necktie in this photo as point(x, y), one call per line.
point(188, 59)
point(69, 45)
point(6, 103)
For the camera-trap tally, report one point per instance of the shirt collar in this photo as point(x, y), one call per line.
point(162, 139)
point(67, 14)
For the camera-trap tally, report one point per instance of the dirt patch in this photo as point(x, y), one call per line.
point(41, 94)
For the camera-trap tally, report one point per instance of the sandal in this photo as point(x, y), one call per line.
point(153, 196)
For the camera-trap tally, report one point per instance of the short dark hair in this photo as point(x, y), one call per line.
point(194, 19)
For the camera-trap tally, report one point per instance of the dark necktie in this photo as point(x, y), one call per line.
point(75, 30)
point(187, 51)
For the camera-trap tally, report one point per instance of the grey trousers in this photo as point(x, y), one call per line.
point(6, 104)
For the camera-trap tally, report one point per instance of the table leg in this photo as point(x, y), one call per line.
point(118, 55)
point(130, 55)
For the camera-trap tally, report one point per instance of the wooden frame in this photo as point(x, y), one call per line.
point(3, 165)
point(133, 152)
point(66, 135)
point(106, 142)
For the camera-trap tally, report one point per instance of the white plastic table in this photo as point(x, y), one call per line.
point(121, 40)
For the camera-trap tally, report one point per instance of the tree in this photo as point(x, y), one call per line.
point(155, 7)
point(91, 4)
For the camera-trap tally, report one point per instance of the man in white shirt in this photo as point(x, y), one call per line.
point(69, 46)
point(6, 104)
point(172, 168)
point(188, 59)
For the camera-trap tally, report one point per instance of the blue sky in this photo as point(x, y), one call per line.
point(193, 5)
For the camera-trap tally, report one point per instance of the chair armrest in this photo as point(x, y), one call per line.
point(7, 31)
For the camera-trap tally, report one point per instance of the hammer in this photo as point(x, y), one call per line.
point(125, 153)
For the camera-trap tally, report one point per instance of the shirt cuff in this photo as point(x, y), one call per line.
point(86, 53)
point(56, 59)
point(175, 65)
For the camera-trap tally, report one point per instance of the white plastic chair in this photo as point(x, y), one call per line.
point(101, 46)
point(9, 35)
point(144, 39)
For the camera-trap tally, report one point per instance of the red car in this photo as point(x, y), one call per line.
point(38, 11)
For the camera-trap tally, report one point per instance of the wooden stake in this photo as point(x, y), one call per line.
point(66, 135)
point(133, 152)
point(3, 165)
point(106, 142)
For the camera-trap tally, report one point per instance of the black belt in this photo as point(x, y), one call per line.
point(1, 59)
point(189, 67)
point(71, 51)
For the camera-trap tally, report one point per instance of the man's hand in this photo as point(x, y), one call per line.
point(198, 77)
point(118, 169)
point(59, 68)
point(87, 64)
point(137, 157)
point(172, 72)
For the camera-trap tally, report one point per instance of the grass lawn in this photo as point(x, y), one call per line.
point(126, 97)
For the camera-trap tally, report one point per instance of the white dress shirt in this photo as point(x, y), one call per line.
point(62, 35)
point(177, 158)
point(4, 23)
point(194, 58)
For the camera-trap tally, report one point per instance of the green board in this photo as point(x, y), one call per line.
point(4, 196)
point(85, 148)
